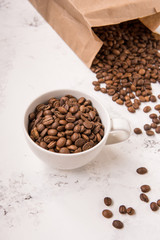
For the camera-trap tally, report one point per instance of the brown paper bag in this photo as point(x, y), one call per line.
point(73, 20)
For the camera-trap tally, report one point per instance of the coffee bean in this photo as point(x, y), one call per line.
point(141, 170)
point(137, 131)
point(145, 188)
point(40, 127)
point(61, 142)
point(153, 115)
point(117, 224)
point(131, 109)
point(144, 197)
point(158, 202)
point(153, 98)
point(130, 211)
point(80, 142)
point(159, 96)
point(147, 127)
point(64, 150)
point(87, 124)
point(122, 209)
point(147, 109)
point(154, 206)
point(87, 146)
point(150, 133)
point(107, 213)
point(157, 130)
point(157, 107)
point(52, 132)
point(108, 201)
point(153, 125)
point(43, 145)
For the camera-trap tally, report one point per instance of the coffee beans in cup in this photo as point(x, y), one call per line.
point(66, 125)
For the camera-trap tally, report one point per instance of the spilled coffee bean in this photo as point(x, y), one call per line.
point(145, 188)
point(130, 211)
point(117, 224)
point(122, 209)
point(107, 201)
point(107, 213)
point(144, 197)
point(154, 206)
point(141, 170)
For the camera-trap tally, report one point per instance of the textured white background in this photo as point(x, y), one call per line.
point(39, 203)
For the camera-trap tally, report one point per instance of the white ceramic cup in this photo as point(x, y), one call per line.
point(116, 130)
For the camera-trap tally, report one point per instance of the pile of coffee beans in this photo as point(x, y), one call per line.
point(66, 125)
point(127, 63)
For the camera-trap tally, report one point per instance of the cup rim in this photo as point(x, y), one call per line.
point(71, 92)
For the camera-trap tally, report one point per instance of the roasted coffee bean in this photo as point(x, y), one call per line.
point(141, 170)
point(153, 115)
point(107, 201)
point(61, 142)
point(117, 224)
point(87, 146)
point(43, 145)
point(150, 133)
point(144, 197)
point(130, 211)
point(157, 130)
point(145, 188)
point(131, 109)
point(154, 206)
point(137, 131)
point(64, 150)
point(40, 127)
point(107, 213)
point(153, 98)
point(157, 107)
point(159, 96)
point(147, 109)
point(80, 142)
point(158, 202)
point(153, 125)
point(147, 127)
point(122, 209)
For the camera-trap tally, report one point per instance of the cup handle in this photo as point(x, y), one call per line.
point(120, 131)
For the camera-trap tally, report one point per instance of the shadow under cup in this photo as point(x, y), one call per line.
point(74, 160)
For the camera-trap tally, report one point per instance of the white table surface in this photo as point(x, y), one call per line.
point(37, 202)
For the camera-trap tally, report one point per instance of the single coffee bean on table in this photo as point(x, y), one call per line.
point(107, 201)
point(147, 127)
point(149, 132)
point(145, 188)
point(141, 170)
point(130, 211)
point(144, 197)
point(66, 125)
point(107, 213)
point(158, 202)
point(122, 209)
point(147, 109)
point(117, 224)
point(137, 131)
point(154, 206)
